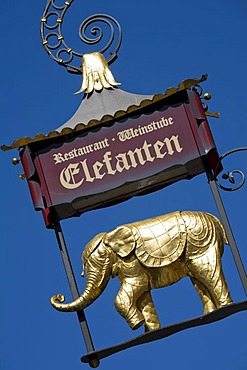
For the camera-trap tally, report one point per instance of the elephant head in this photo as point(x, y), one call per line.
point(151, 254)
point(97, 261)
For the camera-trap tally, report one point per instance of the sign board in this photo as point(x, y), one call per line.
point(140, 153)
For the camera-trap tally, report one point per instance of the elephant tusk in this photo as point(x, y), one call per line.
point(83, 270)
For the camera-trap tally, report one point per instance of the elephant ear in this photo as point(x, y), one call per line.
point(121, 240)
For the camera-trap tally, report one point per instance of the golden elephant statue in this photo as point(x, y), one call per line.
point(151, 254)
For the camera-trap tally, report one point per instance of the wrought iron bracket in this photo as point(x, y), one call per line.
point(215, 184)
point(230, 176)
point(59, 50)
point(206, 96)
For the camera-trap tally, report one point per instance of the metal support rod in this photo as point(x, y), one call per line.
point(229, 233)
point(74, 291)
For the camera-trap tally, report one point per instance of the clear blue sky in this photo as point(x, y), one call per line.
point(163, 43)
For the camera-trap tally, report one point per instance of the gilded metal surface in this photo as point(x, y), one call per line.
point(95, 73)
point(160, 240)
point(183, 85)
point(22, 176)
point(94, 363)
point(151, 254)
point(214, 115)
point(15, 161)
point(206, 96)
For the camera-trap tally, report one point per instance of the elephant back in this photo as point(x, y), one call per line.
point(160, 240)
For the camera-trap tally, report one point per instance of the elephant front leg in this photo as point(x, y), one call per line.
point(126, 301)
point(146, 306)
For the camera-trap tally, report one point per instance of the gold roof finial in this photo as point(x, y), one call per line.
point(96, 73)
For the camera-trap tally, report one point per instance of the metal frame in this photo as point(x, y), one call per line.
point(167, 331)
point(56, 47)
point(93, 356)
point(93, 362)
point(229, 233)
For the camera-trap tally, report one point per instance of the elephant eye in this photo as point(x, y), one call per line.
point(102, 253)
point(101, 250)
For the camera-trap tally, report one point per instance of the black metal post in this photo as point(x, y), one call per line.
point(229, 233)
point(74, 291)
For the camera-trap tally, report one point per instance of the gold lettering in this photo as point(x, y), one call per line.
point(146, 147)
point(76, 174)
point(75, 152)
point(107, 160)
point(88, 149)
point(154, 125)
point(71, 155)
point(139, 156)
point(125, 135)
point(101, 144)
point(67, 177)
point(97, 167)
point(80, 152)
point(157, 146)
point(136, 132)
point(175, 142)
point(86, 171)
point(58, 158)
point(122, 163)
point(97, 146)
point(66, 156)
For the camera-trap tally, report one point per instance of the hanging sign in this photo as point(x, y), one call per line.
point(131, 156)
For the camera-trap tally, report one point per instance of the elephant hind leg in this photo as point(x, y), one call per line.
point(208, 271)
point(205, 296)
point(146, 306)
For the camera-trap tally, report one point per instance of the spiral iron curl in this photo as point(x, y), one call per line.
point(57, 48)
point(230, 175)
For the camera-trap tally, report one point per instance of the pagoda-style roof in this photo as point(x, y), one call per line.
point(101, 107)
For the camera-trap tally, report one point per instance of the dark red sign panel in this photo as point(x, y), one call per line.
point(114, 162)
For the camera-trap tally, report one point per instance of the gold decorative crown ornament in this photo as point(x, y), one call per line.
point(96, 73)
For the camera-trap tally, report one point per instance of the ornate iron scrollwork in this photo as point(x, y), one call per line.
point(206, 96)
point(55, 45)
point(230, 176)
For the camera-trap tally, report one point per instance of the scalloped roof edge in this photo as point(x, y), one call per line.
point(183, 85)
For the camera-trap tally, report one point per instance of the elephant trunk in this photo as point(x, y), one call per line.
point(98, 274)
